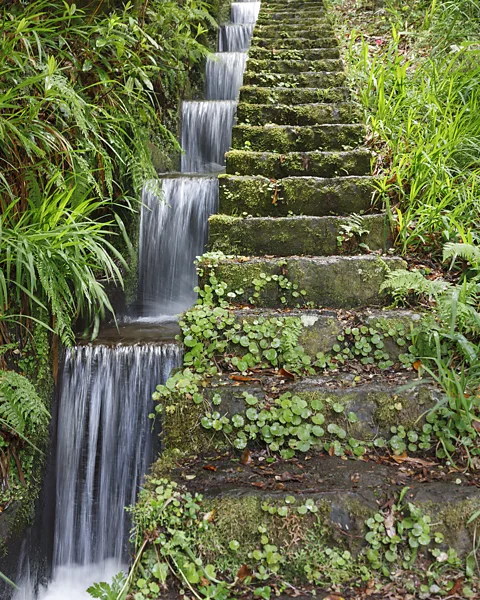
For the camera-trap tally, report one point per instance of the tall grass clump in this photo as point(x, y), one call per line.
point(419, 88)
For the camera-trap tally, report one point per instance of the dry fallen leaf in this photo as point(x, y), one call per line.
point(209, 468)
point(243, 572)
point(284, 373)
point(209, 516)
point(243, 378)
point(246, 458)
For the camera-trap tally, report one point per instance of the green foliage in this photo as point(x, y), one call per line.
point(418, 87)
point(52, 254)
point(21, 409)
point(85, 112)
point(450, 341)
point(399, 533)
point(106, 591)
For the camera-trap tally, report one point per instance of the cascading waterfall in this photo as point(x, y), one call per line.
point(104, 446)
point(166, 277)
point(104, 451)
point(235, 38)
point(206, 134)
point(224, 75)
point(245, 12)
point(104, 436)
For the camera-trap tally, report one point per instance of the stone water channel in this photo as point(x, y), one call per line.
point(103, 442)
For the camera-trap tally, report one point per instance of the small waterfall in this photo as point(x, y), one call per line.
point(245, 12)
point(104, 447)
point(235, 38)
point(173, 231)
point(206, 134)
point(225, 75)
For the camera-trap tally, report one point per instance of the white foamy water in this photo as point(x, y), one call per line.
point(72, 582)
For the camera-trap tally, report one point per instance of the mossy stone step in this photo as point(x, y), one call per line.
point(334, 282)
point(310, 54)
point(322, 79)
point(312, 164)
point(321, 328)
point(315, 196)
point(373, 403)
point(275, 32)
point(280, 95)
point(285, 21)
point(296, 43)
point(346, 493)
point(299, 114)
point(284, 138)
point(291, 236)
point(294, 66)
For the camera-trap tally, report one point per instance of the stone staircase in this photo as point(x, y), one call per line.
point(296, 174)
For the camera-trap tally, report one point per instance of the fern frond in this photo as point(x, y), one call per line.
point(468, 252)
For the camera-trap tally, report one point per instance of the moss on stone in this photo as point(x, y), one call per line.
point(259, 196)
point(301, 114)
point(337, 282)
point(294, 43)
point(283, 138)
point(313, 164)
point(290, 236)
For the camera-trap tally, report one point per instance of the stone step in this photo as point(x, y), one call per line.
point(372, 402)
point(312, 164)
point(291, 236)
point(333, 282)
point(288, 16)
point(275, 32)
point(283, 138)
point(345, 494)
point(280, 95)
point(310, 54)
point(285, 21)
point(295, 43)
point(293, 66)
point(322, 331)
point(314, 196)
point(322, 79)
point(300, 114)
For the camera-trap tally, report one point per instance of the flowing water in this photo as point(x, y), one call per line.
point(235, 38)
point(104, 439)
point(245, 12)
point(173, 230)
point(224, 75)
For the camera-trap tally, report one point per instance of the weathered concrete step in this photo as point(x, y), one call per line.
point(283, 138)
point(268, 16)
point(321, 330)
point(300, 114)
point(291, 236)
point(373, 403)
point(275, 32)
point(294, 43)
point(303, 20)
point(336, 281)
point(345, 492)
point(293, 66)
point(322, 79)
point(280, 95)
point(312, 164)
point(315, 196)
point(311, 54)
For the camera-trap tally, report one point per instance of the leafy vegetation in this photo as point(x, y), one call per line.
point(175, 528)
point(88, 112)
point(415, 71)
